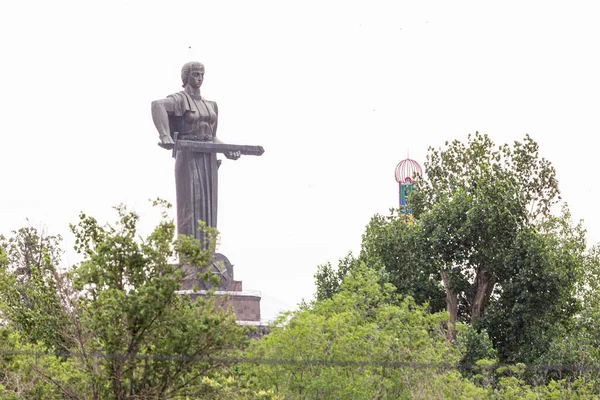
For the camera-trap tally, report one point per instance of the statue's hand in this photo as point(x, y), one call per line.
point(166, 142)
point(233, 155)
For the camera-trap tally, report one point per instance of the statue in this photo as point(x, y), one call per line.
point(187, 124)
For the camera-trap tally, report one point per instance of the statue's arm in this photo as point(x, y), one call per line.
point(160, 116)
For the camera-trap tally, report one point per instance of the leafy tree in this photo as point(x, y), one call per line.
point(473, 206)
point(28, 286)
point(476, 345)
point(389, 247)
point(28, 371)
point(509, 382)
point(125, 330)
point(578, 344)
point(393, 244)
point(330, 279)
point(507, 263)
point(536, 297)
point(466, 166)
point(362, 343)
point(484, 245)
point(327, 350)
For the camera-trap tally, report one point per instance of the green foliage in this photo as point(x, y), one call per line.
point(329, 279)
point(472, 208)
point(578, 344)
point(359, 344)
point(537, 299)
point(467, 166)
point(29, 371)
point(508, 382)
point(113, 327)
point(476, 345)
point(124, 330)
point(28, 286)
point(484, 246)
point(393, 244)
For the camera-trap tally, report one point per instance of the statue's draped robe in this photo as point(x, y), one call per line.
point(195, 173)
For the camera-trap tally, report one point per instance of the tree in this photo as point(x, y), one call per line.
point(393, 245)
point(578, 343)
point(365, 342)
point(28, 286)
point(361, 343)
point(330, 279)
point(473, 206)
point(125, 330)
point(484, 245)
point(507, 263)
point(30, 371)
point(537, 296)
point(389, 247)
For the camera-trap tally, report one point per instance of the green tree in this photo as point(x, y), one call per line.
point(28, 286)
point(536, 297)
point(507, 264)
point(330, 279)
point(362, 343)
point(30, 371)
point(125, 330)
point(577, 345)
point(475, 203)
point(393, 244)
point(484, 245)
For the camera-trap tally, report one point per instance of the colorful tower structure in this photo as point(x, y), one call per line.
point(407, 171)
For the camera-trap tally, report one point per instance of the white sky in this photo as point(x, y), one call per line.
point(337, 92)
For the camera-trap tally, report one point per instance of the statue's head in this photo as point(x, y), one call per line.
point(192, 73)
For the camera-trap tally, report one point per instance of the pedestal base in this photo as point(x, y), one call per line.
point(245, 304)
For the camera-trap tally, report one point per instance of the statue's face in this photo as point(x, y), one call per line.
point(196, 77)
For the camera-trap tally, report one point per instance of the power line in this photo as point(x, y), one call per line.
point(300, 362)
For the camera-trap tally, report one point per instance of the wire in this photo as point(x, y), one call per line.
point(306, 362)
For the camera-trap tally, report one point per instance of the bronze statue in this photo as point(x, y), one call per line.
point(187, 123)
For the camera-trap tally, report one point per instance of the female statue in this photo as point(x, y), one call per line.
point(188, 116)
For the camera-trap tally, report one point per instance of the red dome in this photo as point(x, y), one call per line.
point(406, 170)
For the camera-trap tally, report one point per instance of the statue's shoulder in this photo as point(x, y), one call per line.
point(183, 97)
point(213, 104)
point(182, 103)
point(179, 96)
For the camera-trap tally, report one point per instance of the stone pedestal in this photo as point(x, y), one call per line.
point(245, 304)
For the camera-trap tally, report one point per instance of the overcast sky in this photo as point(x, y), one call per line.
point(337, 92)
